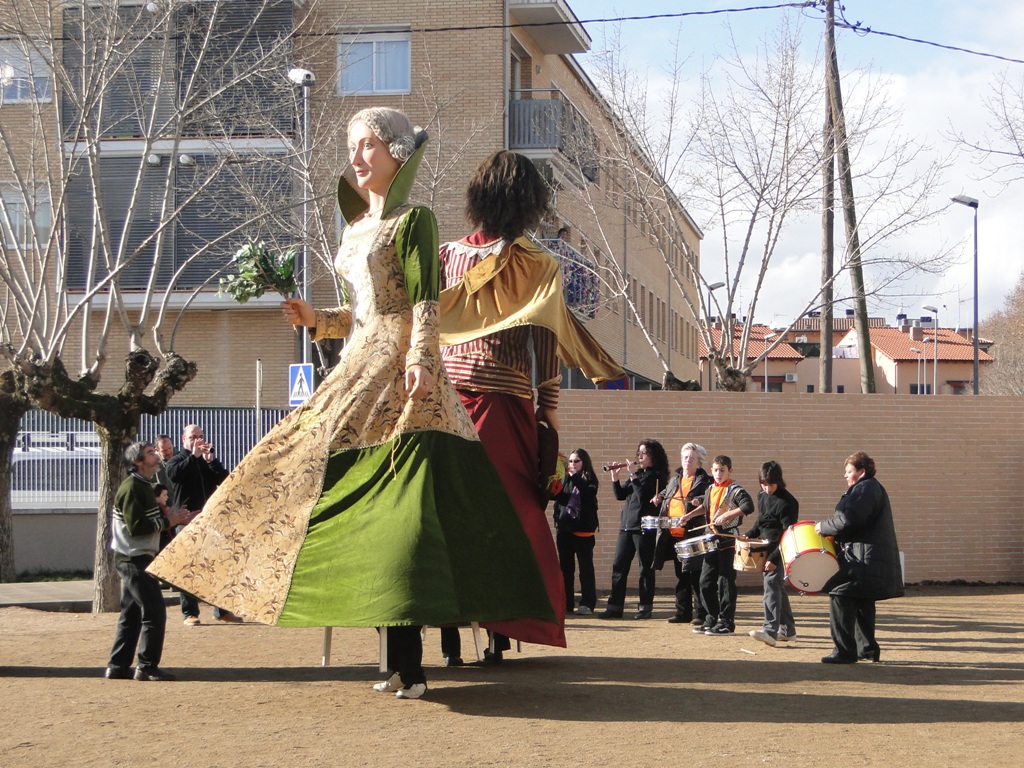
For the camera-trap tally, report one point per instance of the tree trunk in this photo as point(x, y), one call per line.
point(730, 379)
point(12, 408)
point(117, 421)
point(867, 371)
point(106, 582)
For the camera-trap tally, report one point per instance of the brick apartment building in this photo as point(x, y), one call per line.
point(495, 85)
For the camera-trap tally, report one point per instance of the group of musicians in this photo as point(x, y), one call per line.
point(695, 520)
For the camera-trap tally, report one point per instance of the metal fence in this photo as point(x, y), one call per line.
point(56, 461)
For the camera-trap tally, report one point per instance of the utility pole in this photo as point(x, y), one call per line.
point(860, 304)
point(828, 242)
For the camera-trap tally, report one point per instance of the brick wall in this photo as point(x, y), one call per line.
point(951, 465)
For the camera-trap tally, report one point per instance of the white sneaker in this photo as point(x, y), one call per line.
point(784, 638)
point(393, 683)
point(764, 637)
point(414, 691)
point(584, 611)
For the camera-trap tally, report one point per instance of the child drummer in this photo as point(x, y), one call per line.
point(777, 509)
point(725, 504)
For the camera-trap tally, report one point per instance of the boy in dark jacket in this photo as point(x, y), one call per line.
point(777, 509)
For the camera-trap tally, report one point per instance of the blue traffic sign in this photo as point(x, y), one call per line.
point(300, 383)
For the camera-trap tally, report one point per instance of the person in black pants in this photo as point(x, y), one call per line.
point(136, 526)
point(684, 492)
point(575, 524)
point(405, 659)
point(194, 473)
point(777, 510)
point(725, 504)
point(869, 556)
point(648, 476)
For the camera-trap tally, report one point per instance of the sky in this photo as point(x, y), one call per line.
point(938, 91)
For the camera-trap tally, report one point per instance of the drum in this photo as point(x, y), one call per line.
point(650, 522)
point(750, 556)
point(809, 557)
point(696, 547)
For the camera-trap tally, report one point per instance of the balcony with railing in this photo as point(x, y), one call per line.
point(544, 125)
point(581, 285)
point(558, 30)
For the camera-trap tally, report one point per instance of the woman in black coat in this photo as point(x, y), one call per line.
point(869, 556)
point(648, 476)
point(575, 524)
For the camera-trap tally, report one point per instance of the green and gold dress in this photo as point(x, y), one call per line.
point(363, 507)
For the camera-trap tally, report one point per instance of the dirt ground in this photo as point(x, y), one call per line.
point(949, 691)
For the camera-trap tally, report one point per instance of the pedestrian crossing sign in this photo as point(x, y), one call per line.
point(300, 383)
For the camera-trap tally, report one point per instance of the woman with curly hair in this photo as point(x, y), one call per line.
point(648, 476)
point(504, 325)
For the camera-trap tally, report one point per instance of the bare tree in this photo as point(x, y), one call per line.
point(1000, 149)
point(146, 143)
point(1005, 376)
point(747, 159)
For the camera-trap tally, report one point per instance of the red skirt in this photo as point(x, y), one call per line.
point(508, 430)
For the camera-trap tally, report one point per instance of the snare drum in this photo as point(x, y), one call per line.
point(809, 557)
point(650, 522)
point(750, 556)
point(696, 547)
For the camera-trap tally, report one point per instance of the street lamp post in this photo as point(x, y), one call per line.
point(304, 79)
point(918, 368)
point(971, 202)
point(767, 338)
point(924, 363)
point(707, 319)
point(935, 366)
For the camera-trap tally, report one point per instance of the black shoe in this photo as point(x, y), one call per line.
point(492, 657)
point(698, 622)
point(609, 614)
point(453, 661)
point(833, 658)
point(153, 675)
point(643, 614)
point(720, 629)
point(118, 673)
point(872, 657)
point(702, 629)
point(681, 620)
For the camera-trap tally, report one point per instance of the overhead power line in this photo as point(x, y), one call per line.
point(810, 5)
point(860, 29)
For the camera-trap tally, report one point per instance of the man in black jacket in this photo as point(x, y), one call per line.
point(865, 536)
point(195, 473)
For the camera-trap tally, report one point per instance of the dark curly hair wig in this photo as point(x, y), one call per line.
point(507, 196)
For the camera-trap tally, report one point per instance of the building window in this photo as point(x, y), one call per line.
point(920, 389)
point(15, 218)
point(375, 64)
point(24, 75)
point(810, 389)
point(840, 389)
point(216, 222)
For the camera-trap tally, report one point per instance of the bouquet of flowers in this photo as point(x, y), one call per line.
point(259, 270)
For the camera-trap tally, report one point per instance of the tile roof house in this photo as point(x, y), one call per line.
point(781, 361)
point(905, 359)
